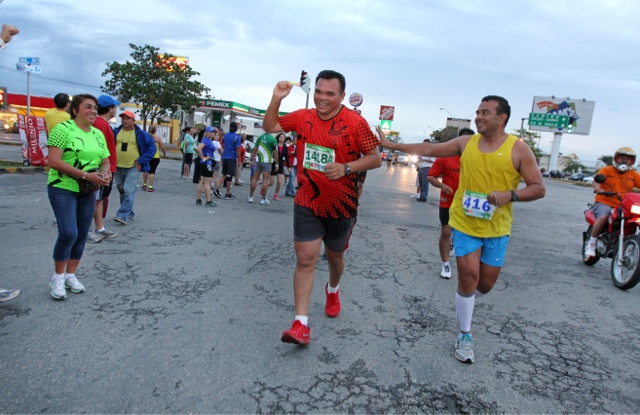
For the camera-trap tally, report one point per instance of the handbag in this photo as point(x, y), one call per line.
point(86, 186)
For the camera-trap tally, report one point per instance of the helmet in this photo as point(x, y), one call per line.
point(624, 151)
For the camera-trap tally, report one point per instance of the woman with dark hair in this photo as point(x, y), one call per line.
point(283, 161)
point(78, 162)
point(149, 177)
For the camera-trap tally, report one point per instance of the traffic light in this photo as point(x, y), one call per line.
point(570, 126)
point(304, 82)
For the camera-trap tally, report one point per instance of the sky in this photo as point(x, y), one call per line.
point(416, 55)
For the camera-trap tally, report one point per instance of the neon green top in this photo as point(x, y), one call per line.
point(81, 149)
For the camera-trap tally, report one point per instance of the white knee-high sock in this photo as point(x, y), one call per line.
point(464, 311)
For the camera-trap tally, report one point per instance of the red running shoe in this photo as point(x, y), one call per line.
point(332, 307)
point(297, 334)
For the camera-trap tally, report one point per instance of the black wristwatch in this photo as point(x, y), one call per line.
point(514, 196)
point(347, 169)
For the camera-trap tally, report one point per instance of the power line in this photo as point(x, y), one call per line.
point(53, 79)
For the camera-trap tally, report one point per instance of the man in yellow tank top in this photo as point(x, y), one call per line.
point(492, 163)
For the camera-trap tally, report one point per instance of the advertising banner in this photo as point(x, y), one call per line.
point(22, 131)
point(553, 114)
point(386, 112)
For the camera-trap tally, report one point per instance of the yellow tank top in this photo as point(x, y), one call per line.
point(484, 173)
point(157, 156)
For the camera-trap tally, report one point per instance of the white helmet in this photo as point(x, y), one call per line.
point(624, 151)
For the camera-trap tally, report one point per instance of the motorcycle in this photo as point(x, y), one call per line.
point(620, 240)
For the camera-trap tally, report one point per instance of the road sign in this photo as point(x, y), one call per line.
point(28, 68)
point(548, 120)
point(29, 60)
point(385, 125)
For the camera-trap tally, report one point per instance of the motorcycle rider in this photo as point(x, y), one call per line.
point(620, 178)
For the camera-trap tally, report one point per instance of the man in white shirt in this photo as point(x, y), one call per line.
point(424, 165)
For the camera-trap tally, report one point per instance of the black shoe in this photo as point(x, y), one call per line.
point(421, 200)
point(217, 194)
point(229, 196)
point(198, 202)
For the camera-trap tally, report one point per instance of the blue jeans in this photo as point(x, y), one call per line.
point(126, 180)
point(291, 184)
point(423, 182)
point(74, 213)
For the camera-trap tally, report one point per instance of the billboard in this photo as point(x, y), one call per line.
point(386, 112)
point(561, 115)
point(458, 123)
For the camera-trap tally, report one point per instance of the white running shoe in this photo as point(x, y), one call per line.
point(590, 251)
point(250, 199)
point(464, 348)
point(265, 202)
point(57, 288)
point(73, 284)
point(445, 272)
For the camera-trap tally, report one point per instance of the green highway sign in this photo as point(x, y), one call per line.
point(385, 125)
point(548, 120)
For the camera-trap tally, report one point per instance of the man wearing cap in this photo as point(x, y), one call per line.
point(135, 148)
point(106, 110)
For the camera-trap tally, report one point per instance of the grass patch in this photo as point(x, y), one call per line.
point(6, 164)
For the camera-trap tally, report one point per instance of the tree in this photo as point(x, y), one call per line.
point(575, 165)
point(606, 160)
point(444, 135)
point(158, 83)
point(530, 138)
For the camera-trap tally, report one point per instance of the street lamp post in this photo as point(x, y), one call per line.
point(522, 128)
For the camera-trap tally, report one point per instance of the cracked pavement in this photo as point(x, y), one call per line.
point(184, 309)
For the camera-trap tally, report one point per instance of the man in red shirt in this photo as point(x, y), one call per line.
point(449, 169)
point(106, 110)
point(331, 138)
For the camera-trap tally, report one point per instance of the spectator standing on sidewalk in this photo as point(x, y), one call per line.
point(283, 163)
point(326, 204)
point(135, 148)
point(205, 151)
point(424, 165)
point(7, 33)
point(106, 111)
point(76, 148)
point(449, 169)
point(188, 143)
point(290, 190)
point(148, 178)
point(60, 113)
point(231, 144)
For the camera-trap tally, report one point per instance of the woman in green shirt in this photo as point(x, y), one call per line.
point(77, 152)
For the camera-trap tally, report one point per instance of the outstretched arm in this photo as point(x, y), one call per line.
point(270, 123)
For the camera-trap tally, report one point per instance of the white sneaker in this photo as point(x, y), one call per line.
point(57, 287)
point(73, 284)
point(445, 272)
point(93, 237)
point(590, 251)
point(264, 202)
point(250, 199)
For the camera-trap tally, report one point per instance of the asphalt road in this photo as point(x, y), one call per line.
point(184, 309)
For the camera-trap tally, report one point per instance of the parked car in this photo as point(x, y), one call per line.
point(588, 179)
point(545, 173)
point(577, 177)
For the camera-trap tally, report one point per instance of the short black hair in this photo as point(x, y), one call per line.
point(61, 100)
point(466, 131)
point(329, 74)
point(104, 110)
point(503, 105)
point(233, 127)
